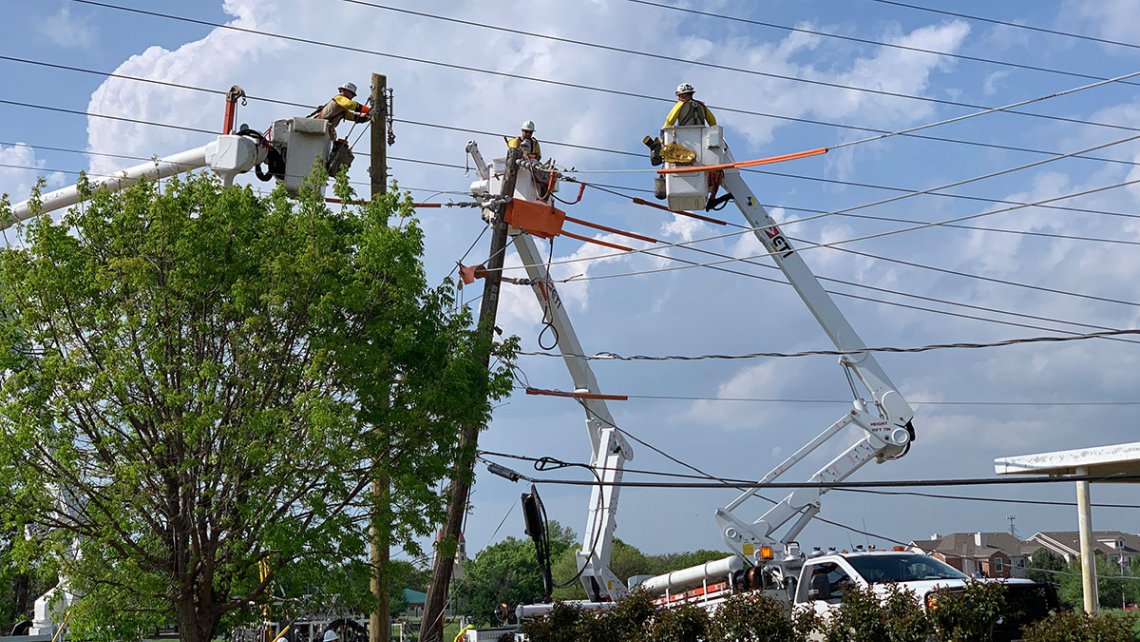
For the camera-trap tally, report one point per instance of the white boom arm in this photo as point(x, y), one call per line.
point(161, 168)
point(887, 428)
point(610, 449)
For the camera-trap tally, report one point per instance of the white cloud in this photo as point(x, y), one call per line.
point(68, 30)
point(1109, 19)
point(20, 170)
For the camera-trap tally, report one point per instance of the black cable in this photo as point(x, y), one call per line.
point(910, 483)
point(865, 492)
point(998, 500)
point(1009, 24)
point(822, 278)
point(610, 356)
point(877, 43)
point(543, 464)
point(549, 81)
point(572, 145)
point(755, 72)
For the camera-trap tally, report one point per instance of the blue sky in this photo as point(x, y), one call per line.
point(963, 397)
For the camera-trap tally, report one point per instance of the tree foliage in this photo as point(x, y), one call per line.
point(196, 381)
point(970, 615)
point(865, 615)
point(1114, 587)
point(1078, 626)
point(506, 573)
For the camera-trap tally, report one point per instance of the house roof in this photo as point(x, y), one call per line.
point(1104, 541)
point(966, 545)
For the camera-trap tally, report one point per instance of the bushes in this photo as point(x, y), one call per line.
point(753, 617)
point(977, 613)
point(1078, 626)
point(868, 616)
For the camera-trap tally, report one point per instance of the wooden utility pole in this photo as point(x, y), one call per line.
point(380, 622)
point(431, 628)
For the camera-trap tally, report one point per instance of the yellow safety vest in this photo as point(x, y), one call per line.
point(529, 146)
point(689, 112)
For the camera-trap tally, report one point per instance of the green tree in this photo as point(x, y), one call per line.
point(625, 561)
point(1045, 567)
point(970, 615)
point(1114, 589)
point(1078, 626)
point(755, 617)
point(866, 616)
point(195, 381)
point(506, 572)
point(669, 562)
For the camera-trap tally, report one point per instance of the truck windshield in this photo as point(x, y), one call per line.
point(902, 568)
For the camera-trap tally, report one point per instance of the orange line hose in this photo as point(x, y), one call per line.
point(749, 163)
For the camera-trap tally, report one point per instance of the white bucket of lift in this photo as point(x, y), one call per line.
point(690, 191)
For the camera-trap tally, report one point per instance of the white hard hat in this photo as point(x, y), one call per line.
point(685, 88)
point(330, 635)
point(349, 86)
point(528, 126)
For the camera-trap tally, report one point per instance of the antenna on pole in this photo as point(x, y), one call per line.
point(1012, 526)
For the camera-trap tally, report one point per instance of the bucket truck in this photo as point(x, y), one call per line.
point(288, 148)
point(766, 555)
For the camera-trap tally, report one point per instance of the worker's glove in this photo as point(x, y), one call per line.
point(364, 110)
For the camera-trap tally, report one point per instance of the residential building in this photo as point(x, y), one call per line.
point(1115, 546)
point(980, 554)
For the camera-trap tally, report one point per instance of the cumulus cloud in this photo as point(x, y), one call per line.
point(20, 170)
point(1109, 19)
point(65, 29)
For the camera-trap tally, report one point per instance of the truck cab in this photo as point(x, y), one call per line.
point(824, 580)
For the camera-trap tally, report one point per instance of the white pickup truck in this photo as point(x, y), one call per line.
point(824, 579)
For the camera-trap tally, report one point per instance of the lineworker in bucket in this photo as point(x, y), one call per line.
point(527, 142)
point(343, 106)
point(688, 110)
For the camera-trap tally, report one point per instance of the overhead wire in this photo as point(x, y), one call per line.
point(885, 493)
point(823, 278)
point(1004, 23)
point(572, 145)
point(611, 356)
point(829, 244)
point(854, 284)
point(869, 41)
point(860, 285)
point(350, 48)
point(743, 70)
point(220, 92)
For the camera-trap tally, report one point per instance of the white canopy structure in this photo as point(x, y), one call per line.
point(1097, 461)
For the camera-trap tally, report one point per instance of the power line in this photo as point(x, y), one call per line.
point(829, 244)
point(877, 43)
point(1004, 23)
point(999, 500)
point(853, 284)
point(916, 402)
point(611, 356)
point(600, 149)
point(885, 493)
point(902, 483)
point(572, 145)
point(549, 81)
point(755, 72)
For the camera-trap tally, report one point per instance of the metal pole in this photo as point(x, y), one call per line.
point(431, 629)
point(380, 621)
point(1088, 559)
